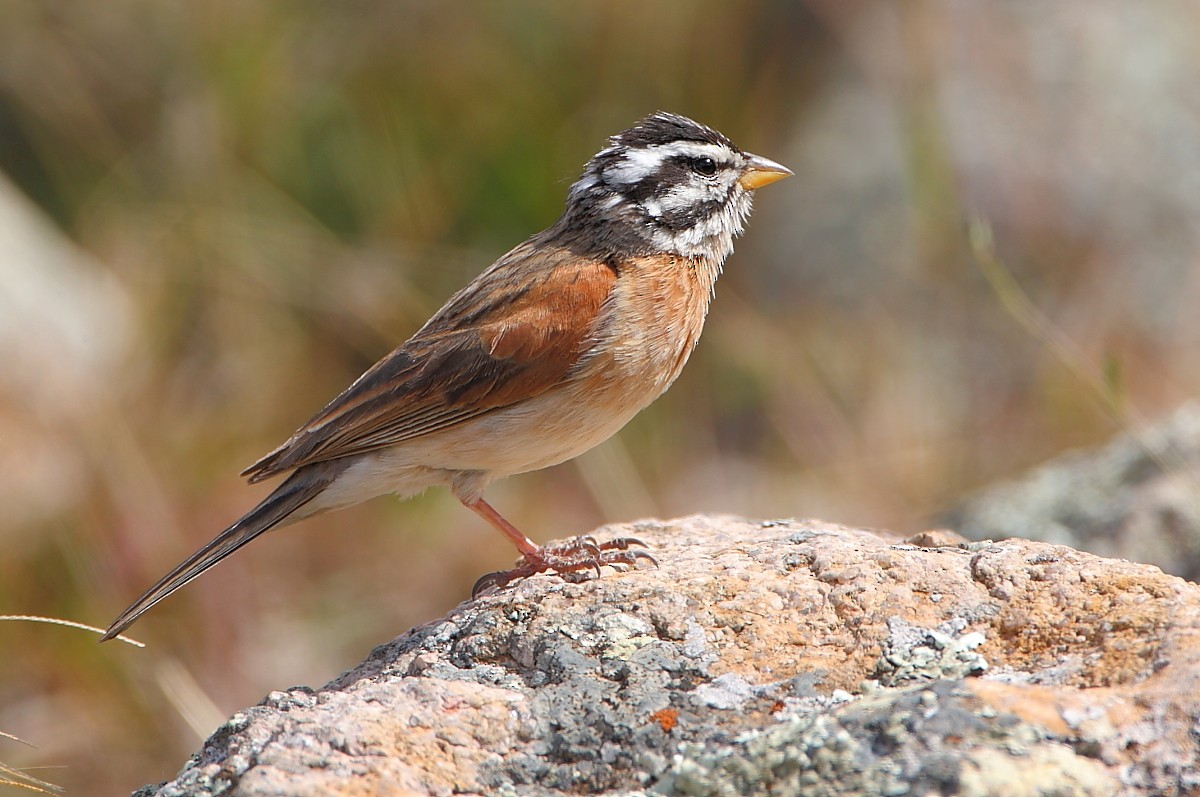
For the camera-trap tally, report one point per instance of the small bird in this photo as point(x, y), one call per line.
point(547, 353)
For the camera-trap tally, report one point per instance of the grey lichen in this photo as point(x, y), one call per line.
point(911, 653)
point(916, 741)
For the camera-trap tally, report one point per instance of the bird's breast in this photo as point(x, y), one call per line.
point(645, 332)
point(648, 327)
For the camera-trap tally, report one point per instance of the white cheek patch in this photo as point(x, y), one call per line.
point(689, 195)
point(711, 237)
point(682, 196)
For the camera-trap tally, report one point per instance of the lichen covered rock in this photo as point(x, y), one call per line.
point(773, 657)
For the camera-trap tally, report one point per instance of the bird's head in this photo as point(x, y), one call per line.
point(668, 184)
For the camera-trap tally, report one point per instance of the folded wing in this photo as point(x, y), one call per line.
point(515, 332)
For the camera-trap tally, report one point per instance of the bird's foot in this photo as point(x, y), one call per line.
point(572, 556)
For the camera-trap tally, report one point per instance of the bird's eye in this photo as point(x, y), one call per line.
point(704, 166)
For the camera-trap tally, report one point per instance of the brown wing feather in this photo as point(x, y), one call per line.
point(511, 334)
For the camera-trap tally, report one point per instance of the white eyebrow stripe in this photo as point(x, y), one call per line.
point(640, 163)
point(637, 165)
point(693, 149)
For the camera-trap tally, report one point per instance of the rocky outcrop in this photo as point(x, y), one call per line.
point(760, 657)
point(1138, 497)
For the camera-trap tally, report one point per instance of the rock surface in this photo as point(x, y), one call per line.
point(772, 657)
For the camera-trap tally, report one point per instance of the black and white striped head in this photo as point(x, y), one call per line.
point(669, 184)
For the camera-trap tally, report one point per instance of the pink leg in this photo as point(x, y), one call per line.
point(581, 553)
point(527, 547)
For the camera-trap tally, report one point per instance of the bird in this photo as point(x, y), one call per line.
point(545, 354)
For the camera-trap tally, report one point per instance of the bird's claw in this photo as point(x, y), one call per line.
point(623, 544)
point(572, 556)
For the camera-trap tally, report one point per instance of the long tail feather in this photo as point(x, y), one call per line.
point(300, 488)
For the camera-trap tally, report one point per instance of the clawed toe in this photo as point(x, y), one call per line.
point(634, 556)
point(623, 544)
point(502, 578)
point(571, 557)
point(488, 581)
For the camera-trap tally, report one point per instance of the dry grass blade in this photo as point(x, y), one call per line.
point(33, 618)
point(13, 777)
point(41, 787)
point(179, 686)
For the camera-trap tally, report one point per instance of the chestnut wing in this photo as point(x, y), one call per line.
point(514, 332)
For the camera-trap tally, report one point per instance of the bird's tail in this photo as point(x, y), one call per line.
point(300, 488)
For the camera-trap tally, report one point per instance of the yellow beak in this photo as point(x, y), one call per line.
point(760, 171)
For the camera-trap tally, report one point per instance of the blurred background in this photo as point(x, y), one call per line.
point(213, 216)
